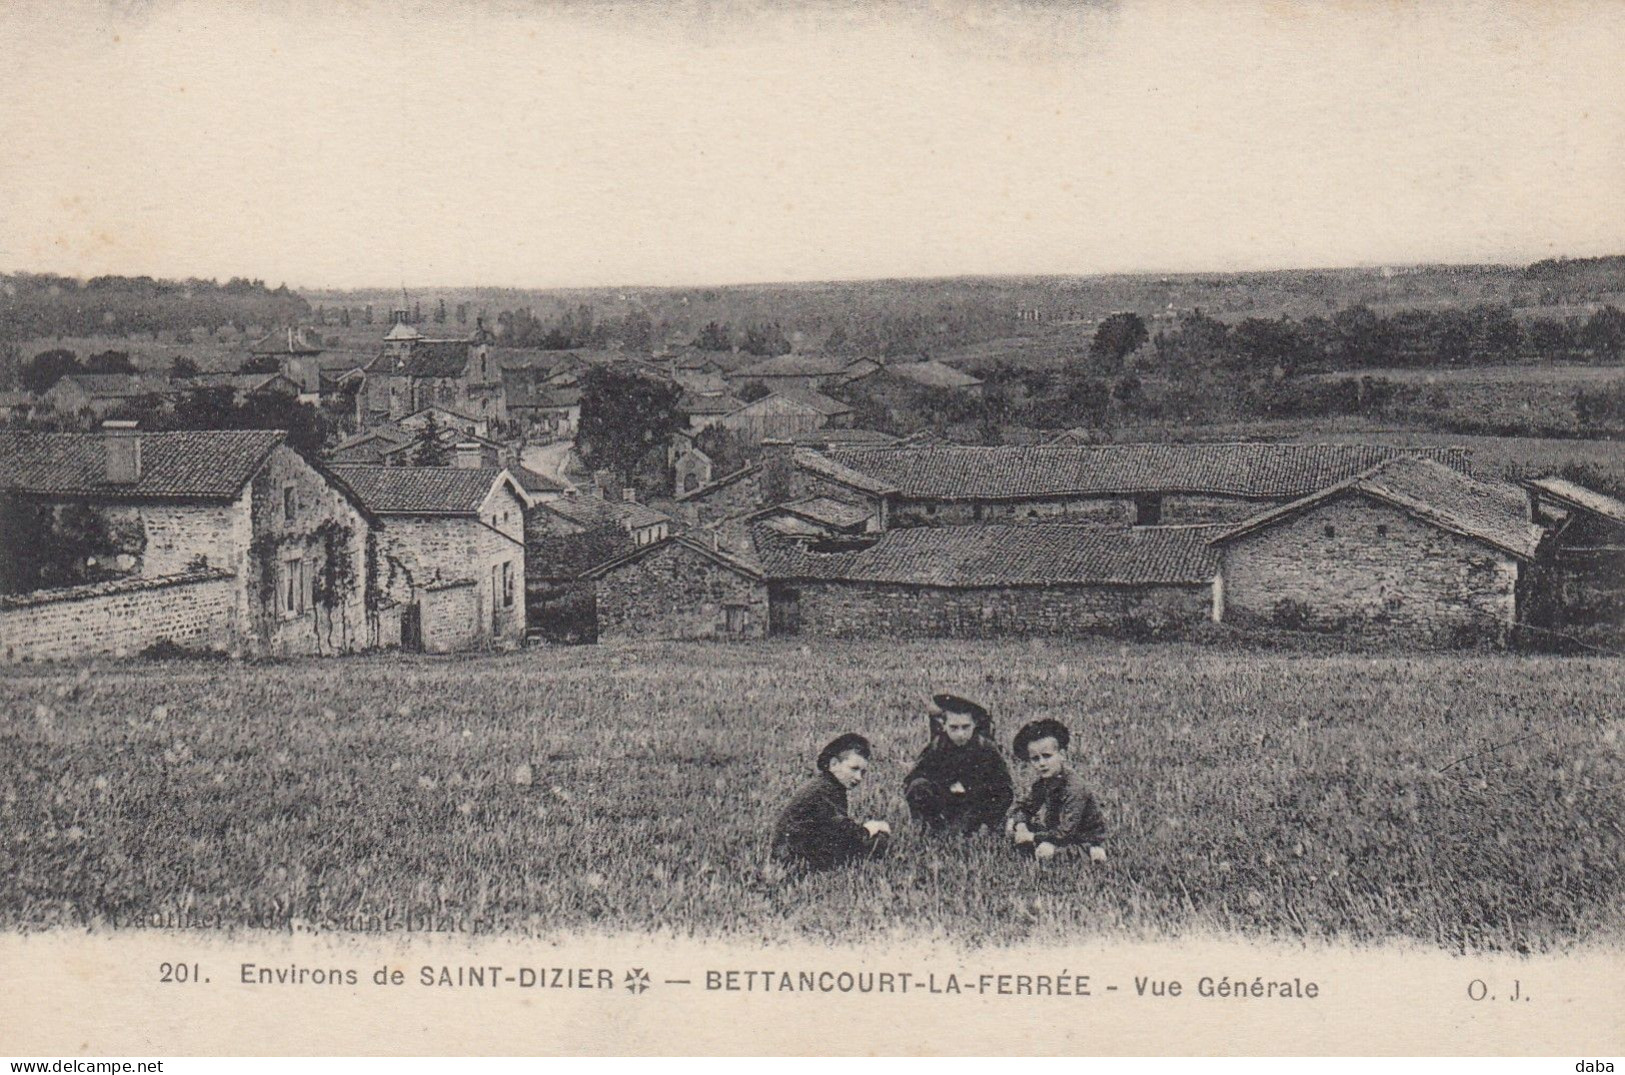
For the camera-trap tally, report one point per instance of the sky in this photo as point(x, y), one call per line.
point(355, 144)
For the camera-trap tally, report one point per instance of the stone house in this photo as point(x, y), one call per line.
point(243, 386)
point(784, 413)
point(995, 580)
point(680, 587)
point(1121, 484)
point(547, 410)
point(570, 515)
point(451, 551)
point(1411, 545)
point(1588, 551)
point(412, 373)
point(234, 521)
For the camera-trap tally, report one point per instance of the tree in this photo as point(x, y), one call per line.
point(430, 448)
point(765, 340)
point(1550, 338)
point(727, 450)
point(181, 366)
point(1118, 336)
point(714, 337)
point(623, 416)
point(46, 368)
point(440, 312)
point(1604, 333)
point(751, 391)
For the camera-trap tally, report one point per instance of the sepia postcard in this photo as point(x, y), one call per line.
point(744, 528)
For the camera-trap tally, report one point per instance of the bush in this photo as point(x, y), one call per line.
point(168, 650)
point(1292, 615)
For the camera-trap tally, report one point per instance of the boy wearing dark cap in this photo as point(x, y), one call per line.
point(960, 784)
point(1058, 814)
point(814, 830)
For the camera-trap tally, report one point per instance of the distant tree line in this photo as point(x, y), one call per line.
point(35, 305)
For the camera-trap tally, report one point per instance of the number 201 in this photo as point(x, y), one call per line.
point(179, 972)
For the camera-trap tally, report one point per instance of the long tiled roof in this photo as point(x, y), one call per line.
point(708, 403)
point(185, 465)
point(721, 554)
point(1265, 471)
point(819, 402)
point(419, 490)
point(795, 366)
point(591, 511)
point(119, 385)
point(827, 465)
point(833, 436)
point(1031, 555)
point(1494, 512)
point(934, 374)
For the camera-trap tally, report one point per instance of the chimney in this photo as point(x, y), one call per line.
point(608, 487)
point(630, 495)
point(467, 456)
point(123, 446)
point(778, 469)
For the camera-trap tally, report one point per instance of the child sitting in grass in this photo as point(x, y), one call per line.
point(814, 831)
point(1057, 814)
point(960, 784)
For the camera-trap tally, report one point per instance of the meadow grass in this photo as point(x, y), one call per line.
point(1471, 802)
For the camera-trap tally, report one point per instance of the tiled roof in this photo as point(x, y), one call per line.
point(402, 331)
point(834, 436)
point(1265, 471)
point(591, 511)
point(436, 358)
point(828, 511)
point(720, 554)
point(419, 490)
point(242, 382)
point(825, 465)
point(934, 375)
point(534, 482)
point(708, 403)
point(187, 465)
point(1573, 493)
point(1494, 512)
point(819, 402)
point(700, 492)
point(795, 366)
point(1035, 555)
point(18, 399)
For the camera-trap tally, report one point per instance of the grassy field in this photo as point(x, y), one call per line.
point(1469, 802)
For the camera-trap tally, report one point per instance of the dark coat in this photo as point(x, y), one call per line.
point(815, 831)
point(977, 766)
point(1059, 811)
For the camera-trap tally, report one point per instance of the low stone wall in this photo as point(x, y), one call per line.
point(675, 592)
point(195, 610)
point(856, 610)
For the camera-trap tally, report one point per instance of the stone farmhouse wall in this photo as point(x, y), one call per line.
point(324, 522)
point(1356, 560)
point(197, 610)
point(419, 550)
point(453, 613)
point(740, 495)
point(676, 592)
point(857, 610)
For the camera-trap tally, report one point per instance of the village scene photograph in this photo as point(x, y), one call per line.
point(998, 475)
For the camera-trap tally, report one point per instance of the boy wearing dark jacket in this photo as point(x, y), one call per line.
point(814, 831)
point(960, 784)
point(1058, 814)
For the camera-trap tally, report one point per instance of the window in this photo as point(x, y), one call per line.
point(1382, 529)
point(295, 588)
point(736, 616)
point(507, 584)
point(1331, 531)
point(290, 503)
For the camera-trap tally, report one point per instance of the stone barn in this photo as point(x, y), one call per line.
point(1412, 545)
point(1588, 551)
point(994, 581)
point(1112, 484)
point(682, 587)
